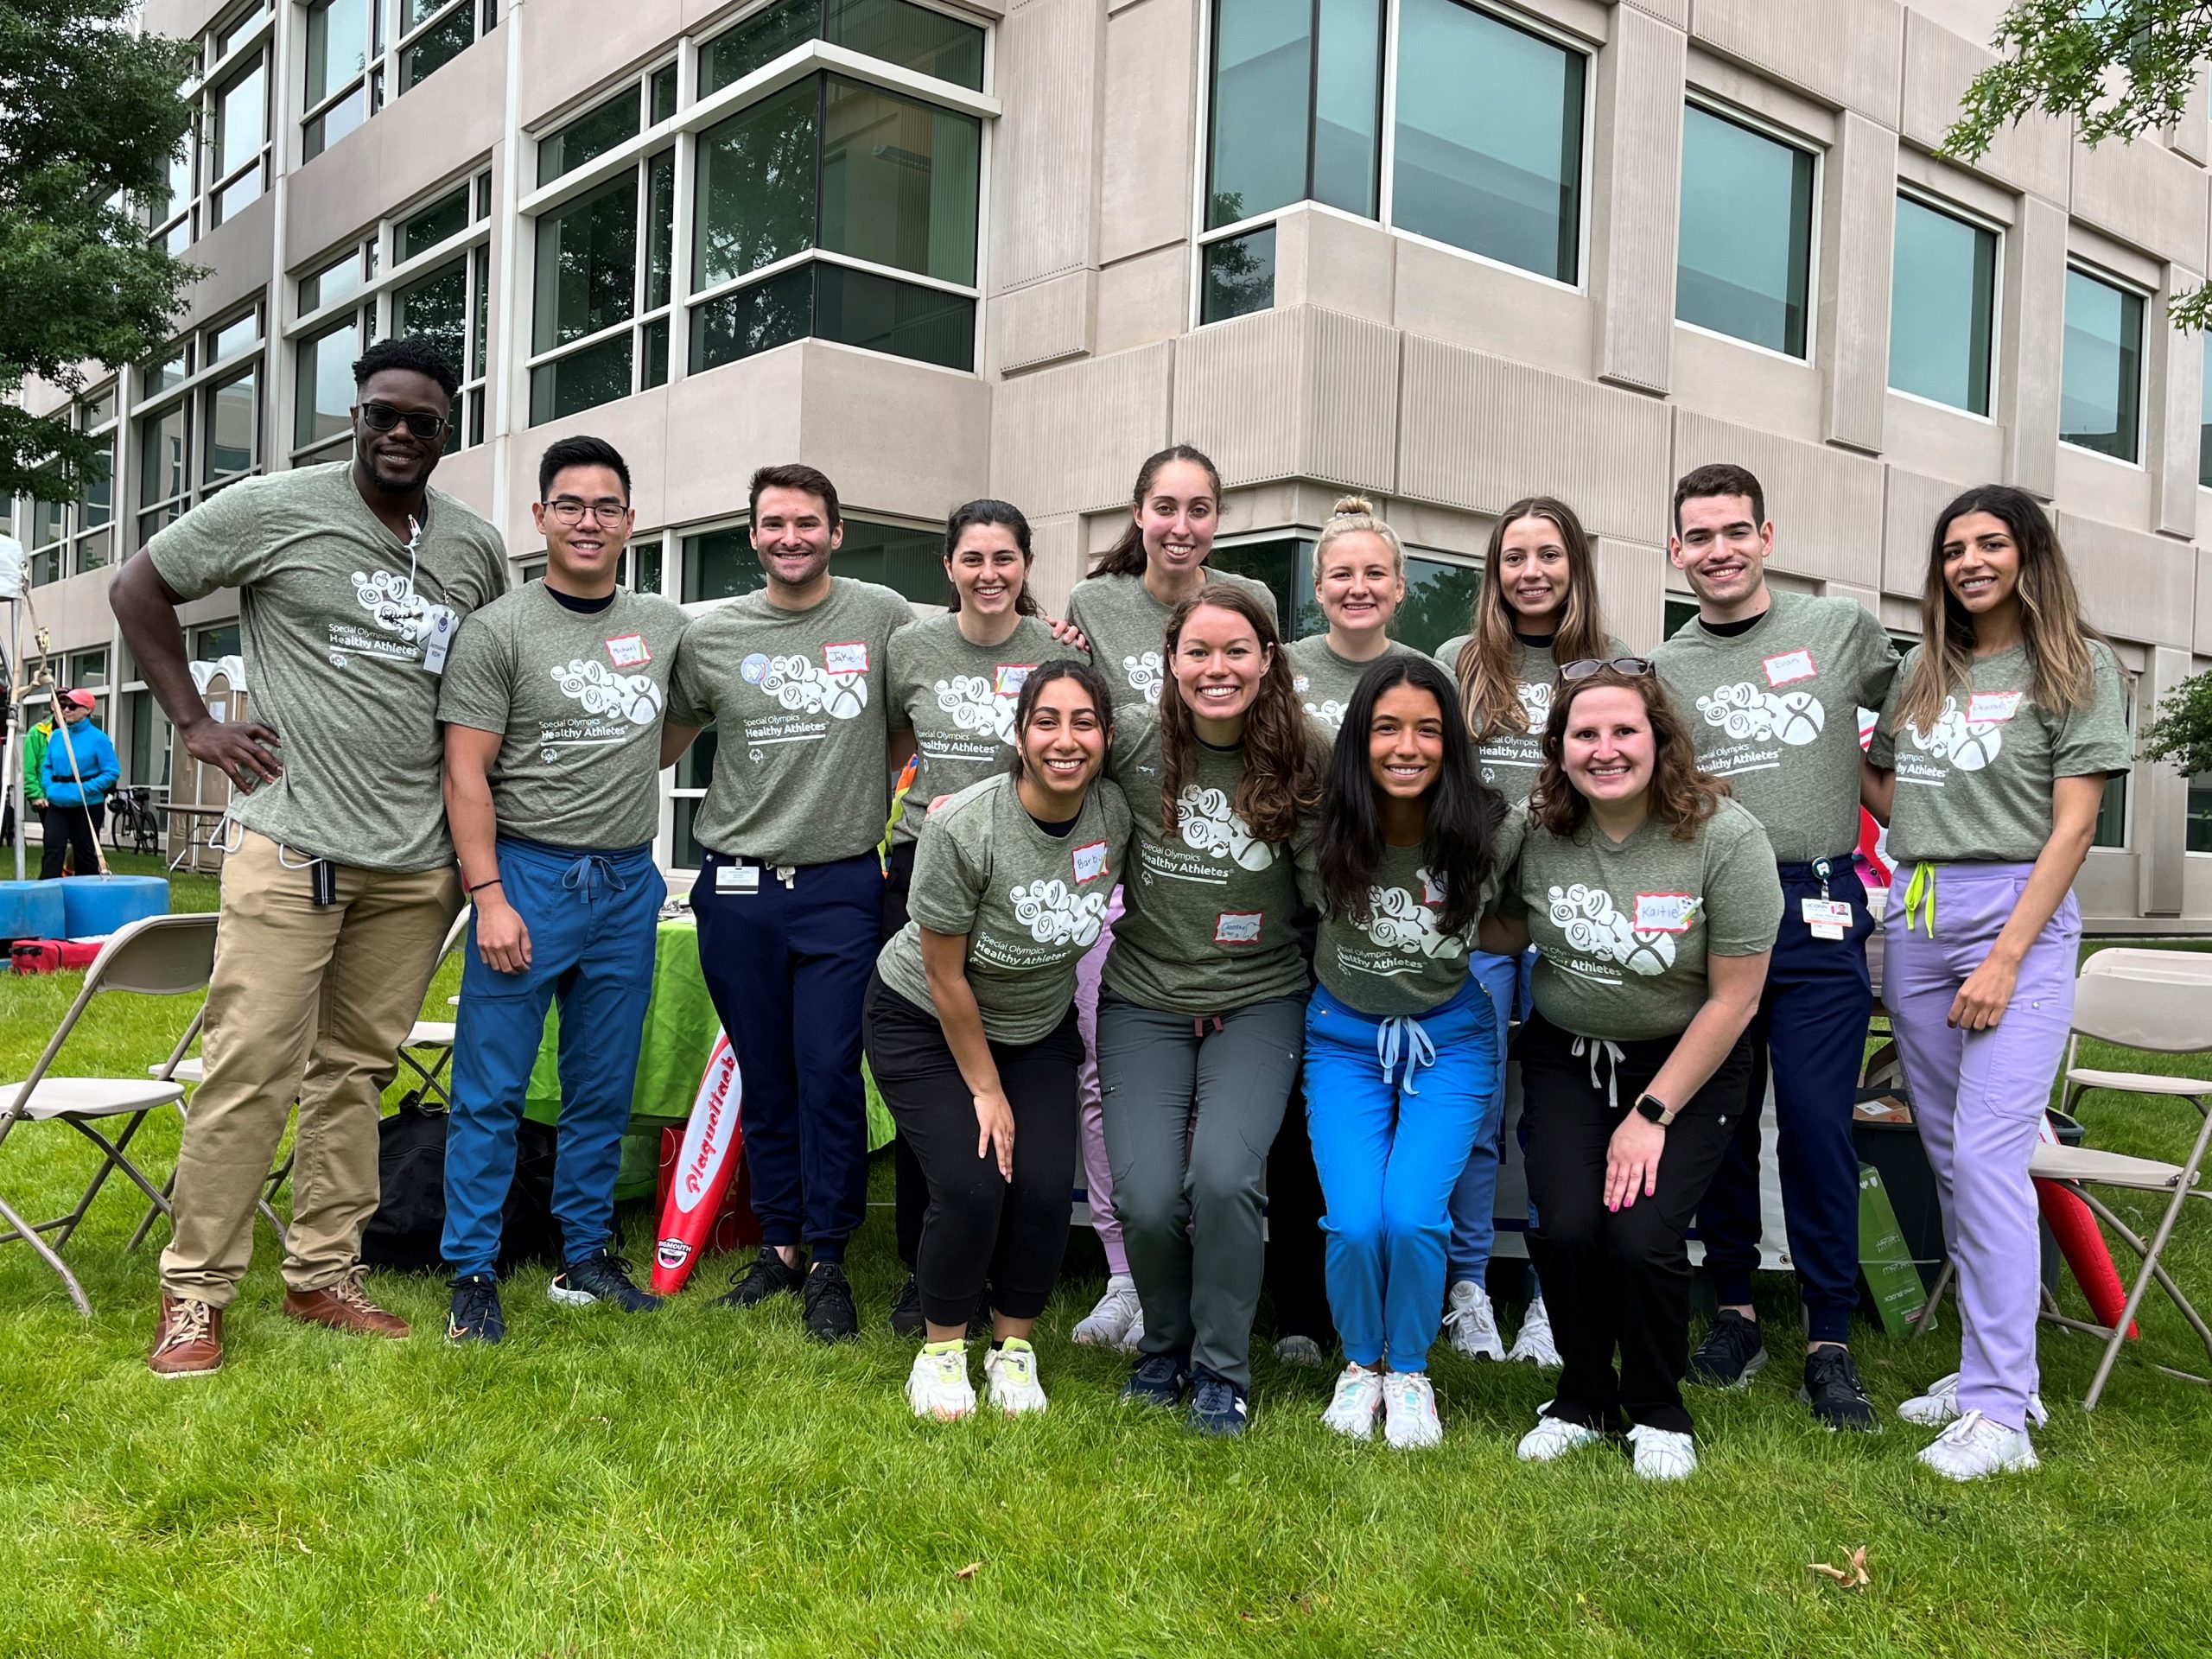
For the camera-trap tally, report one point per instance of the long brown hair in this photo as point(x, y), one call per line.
point(2062, 667)
point(1126, 556)
point(1681, 796)
point(1490, 696)
point(1282, 776)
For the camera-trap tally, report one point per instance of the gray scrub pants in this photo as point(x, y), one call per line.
point(1191, 1107)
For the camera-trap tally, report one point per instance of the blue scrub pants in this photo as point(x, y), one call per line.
point(1394, 1107)
point(591, 916)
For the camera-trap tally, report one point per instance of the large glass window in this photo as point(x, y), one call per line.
point(1440, 593)
point(201, 427)
point(1240, 276)
point(590, 135)
point(2099, 397)
point(1942, 299)
point(241, 143)
point(721, 563)
point(222, 163)
point(62, 538)
point(1744, 252)
point(323, 398)
point(914, 37)
point(1290, 121)
point(343, 36)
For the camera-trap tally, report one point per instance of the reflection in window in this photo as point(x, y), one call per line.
point(233, 418)
point(1240, 276)
point(1745, 246)
point(914, 37)
point(586, 263)
point(325, 390)
point(421, 232)
point(1290, 122)
point(2099, 397)
point(589, 135)
point(1942, 295)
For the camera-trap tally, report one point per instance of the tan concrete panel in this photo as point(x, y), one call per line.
point(1143, 299)
point(2134, 585)
point(1478, 432)
point(555, 73)
point(1297, 393)
point(1043, 323)
point(1943, 442)
point(1453, 297)
point(720, 425)
point(468, 477)
point(898, 437)
point(2096, 487)
point(1676, 12)
point(76, 610)
point(1826, 504)
point(1848, 52)
point(1939, 63)
point(638, 427)
point(2029, 354)
point(236, 256)
point(1633, 587)
point(1044, 153)
point(1736, 381)
point(1340, 265)
point(1150, 144)
point(1057, 566)
point(1636, 195)
point(1912, 500)
point(1859, 229)
point(2145, 195)
point(2174, 444)
point(1069, 440)
point(2201, 622)
point(2191, 136)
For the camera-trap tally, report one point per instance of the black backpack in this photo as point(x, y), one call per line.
point(406, 1233)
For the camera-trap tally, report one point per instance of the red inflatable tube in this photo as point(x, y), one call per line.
point(714, 1143)
point(2082, 1243)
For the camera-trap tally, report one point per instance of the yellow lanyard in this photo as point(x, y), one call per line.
point(1920, 894)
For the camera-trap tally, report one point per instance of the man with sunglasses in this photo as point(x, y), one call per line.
point(339, 884)
point(552, 706)
point(1770, 685)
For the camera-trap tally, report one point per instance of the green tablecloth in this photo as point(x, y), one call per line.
point(680, 1030)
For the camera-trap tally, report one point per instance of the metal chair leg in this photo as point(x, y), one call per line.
point(29, 1234)
point(1926, 1320)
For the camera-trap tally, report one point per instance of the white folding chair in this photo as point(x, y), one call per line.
point(191, 1071)
point(428, 1047)
point(2189, 1031)
point(157, 956)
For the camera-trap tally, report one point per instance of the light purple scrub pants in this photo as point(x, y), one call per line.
point(1097, 1173)
point(1979, 1098)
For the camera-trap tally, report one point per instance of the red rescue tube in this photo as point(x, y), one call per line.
point(713, 1144)
point(2082, 1243)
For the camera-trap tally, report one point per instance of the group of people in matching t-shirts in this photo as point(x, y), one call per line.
point(1095, 957)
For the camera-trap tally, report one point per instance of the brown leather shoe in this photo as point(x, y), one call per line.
point(188, 1340)
point(343, 1307)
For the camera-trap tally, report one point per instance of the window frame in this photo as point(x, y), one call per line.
point(384, 72)
point(1696, 98)
point(193, 394)
point(254, 27)
point(1923, 197)
point(2078, 264)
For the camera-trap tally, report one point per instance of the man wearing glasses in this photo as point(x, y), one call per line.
point(552, 708)
point(340, 884)
point(1770, 685)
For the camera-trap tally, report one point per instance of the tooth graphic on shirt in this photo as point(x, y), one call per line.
point(1209, 823)
point(1398, 921)
point(1535, 702)
point(1749, 713)
point(800, 682)
point(392, 602)
point(1145, 674)
point(1969, 745)
point(974, 707)
point(1594, 927)
point(602, 690)
point(1056, 914)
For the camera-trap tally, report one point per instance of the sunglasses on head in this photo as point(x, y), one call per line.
point(382, 417)
point(1583, 669)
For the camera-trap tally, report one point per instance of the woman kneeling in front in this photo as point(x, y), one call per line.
point(971, 1030)
point(1653, 904)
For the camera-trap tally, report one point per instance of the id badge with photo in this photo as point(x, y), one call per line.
point(443, 620)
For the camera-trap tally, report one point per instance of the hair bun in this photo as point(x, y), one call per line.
point(1352, 506)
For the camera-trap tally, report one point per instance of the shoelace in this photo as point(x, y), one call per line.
point(188, 1325)
point(348, 1292)
point(475, 1299)
point(1611, 1053)
point(1962, 1430)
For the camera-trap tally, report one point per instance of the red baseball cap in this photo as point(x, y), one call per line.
point(78, 699)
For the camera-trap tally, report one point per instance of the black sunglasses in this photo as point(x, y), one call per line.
point(382, 417)
point(1583, 669)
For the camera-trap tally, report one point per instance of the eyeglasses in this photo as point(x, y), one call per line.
point(569, 511)
point(1633, 666)
point(382, 417)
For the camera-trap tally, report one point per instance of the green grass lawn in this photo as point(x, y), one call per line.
point(701, 1481)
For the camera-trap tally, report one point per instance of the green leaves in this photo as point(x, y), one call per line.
point(2114, 68)
point(2182, 731)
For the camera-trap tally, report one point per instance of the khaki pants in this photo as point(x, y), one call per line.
point(308, 1002)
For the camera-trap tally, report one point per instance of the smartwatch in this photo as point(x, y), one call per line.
point(1655, 1109)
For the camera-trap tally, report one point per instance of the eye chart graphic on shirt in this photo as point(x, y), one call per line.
point(1601, 941)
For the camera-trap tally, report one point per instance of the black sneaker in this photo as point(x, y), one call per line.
point(769, 1276)
point(1158, 1380)
point(906, 1318)
point(1834, 1392)
point(602, 1276)
point(1731, 1352)
point(475, 1316)
point(1218, 1407)
point(827, 1299)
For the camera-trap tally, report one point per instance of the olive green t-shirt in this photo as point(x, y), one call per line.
point(1977, 787)
point(1030, 903)
point(1324, 681)
point(333, 619)
point(1622, 928)
point(1775, 711)
point(578, 698)
point(800, 771)
point(958, 700)
point(1208, 918)
point(1511, 760)
point(1127, 631)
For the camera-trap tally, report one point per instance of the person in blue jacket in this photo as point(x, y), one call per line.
point(75, 777)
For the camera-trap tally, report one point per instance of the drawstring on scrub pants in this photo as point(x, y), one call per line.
point(1598, 1048)
point(1920, 895)
point(587, 874)
point(1402, 1033)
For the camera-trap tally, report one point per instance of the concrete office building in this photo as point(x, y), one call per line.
point(1446, 253)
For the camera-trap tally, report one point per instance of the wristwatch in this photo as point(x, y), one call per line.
point(1655, 1109)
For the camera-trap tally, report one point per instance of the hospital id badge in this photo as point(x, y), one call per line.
point(1828, 918)
point(737, 878)
point(442, 620)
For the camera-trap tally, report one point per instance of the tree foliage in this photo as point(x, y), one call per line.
point(90, 115)
point(2182, 731)
point(2112, 68)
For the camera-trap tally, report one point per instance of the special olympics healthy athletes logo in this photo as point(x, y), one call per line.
point(1969, 745)
point(800, 684)
point(1535, 702)
point(1329, 712)
point(601, 691)
point(1595, 928)
point(974, 707)
point(1396, 920)
point(1749, 713)
point(393, 604)
point(1208, 823)
point(1145, 674)
point(1056, 914)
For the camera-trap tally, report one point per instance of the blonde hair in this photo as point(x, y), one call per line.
point(1351, 515)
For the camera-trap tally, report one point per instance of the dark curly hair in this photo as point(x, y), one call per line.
point(1681, 797)
point(412, 353)
point(1282, 774)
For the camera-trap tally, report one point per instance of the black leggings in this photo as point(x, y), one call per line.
point(71, 830)
point(981, 1227)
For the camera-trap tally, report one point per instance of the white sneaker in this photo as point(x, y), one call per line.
point(1010, 1378)
point(1118, 1312)
point(938, 1387)
point(1469, 1322)
point(1553, 1437)
point(1975, 1446)
point(1940, 1405)
point(1409, 1410)
point(1300, 1350)
point(1356, 1404)
point(1133, 1339)
point(1663, 1453)
point(1534, 1345)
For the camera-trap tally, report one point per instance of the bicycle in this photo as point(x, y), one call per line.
point(133, 810)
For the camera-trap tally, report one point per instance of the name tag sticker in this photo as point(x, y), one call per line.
point(1090, 861)
point(1431, 890)
point(1790, 667)
point(1828, 913)
point(737, 878)
point(1664, 913)
point(443, 620)
point(850, 658)
point(1009, 678)
point(628, 651)
point(1236, 927)
point(1993, 705)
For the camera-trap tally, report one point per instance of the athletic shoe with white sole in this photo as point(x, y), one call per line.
point(1663, 1453)
point(1299, 1351)
point(1471, 1324)
point(937, 1385)
point(1553, 1437)
point(1534, 1346)
point(1833, 1391)
point(603, 1276)
point(1118, 1312)
point(1010, 1378)
point(1410, 1411)
point(1219, 1408)
point(1974, 1447)
point(1731, 1353)
point(1356, 1404)
point(1940, 1405)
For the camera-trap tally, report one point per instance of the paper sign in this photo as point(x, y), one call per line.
point(1009, 678)
point(628, 651)
point(1664, 913)
point(1789, 666)
point(1237, 927)
point(851, 658)
point(1993, 705)
point(1090, 861)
